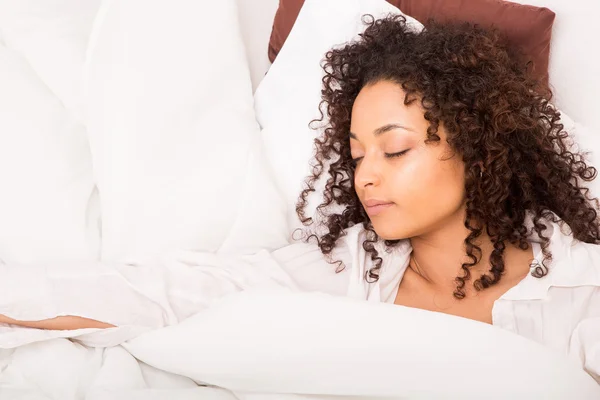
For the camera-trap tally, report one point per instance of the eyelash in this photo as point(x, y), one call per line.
point(387, 155)
point(398, 154)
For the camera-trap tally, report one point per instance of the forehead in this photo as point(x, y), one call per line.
point(382, 103)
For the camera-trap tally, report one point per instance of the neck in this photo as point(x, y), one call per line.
point(439, 255)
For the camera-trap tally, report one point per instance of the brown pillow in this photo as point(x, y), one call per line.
point(527, 27)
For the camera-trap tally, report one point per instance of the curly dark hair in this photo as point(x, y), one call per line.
point(499, 119)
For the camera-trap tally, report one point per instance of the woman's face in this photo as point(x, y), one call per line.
point(407, 187)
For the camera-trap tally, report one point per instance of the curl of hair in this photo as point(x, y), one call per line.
point(517, 156)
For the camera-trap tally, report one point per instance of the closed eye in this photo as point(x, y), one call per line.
point(394, 155)
point(356, 160)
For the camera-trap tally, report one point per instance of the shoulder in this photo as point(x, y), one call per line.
point(573, 299)
point(574, 264)
point(562, 309)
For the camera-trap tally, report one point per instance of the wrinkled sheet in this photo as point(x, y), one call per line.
point(93, 364)
point(245, 324)
point(66, 370)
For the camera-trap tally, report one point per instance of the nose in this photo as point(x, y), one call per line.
point(367, 173)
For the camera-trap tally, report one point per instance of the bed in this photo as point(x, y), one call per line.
point(139, 134)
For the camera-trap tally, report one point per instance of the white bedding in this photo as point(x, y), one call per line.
point(91, 363)
point(253, 324)
point(135, 298)
point(63, 370)
point(174, 140)
point(180, 319)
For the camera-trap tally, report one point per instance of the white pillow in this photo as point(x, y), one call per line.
point(48, 207)
point(175, 143)
point(277, 341)
point(288, 97)
point(52, 36)
point(256, 22)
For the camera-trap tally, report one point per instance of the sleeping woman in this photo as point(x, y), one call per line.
point(451, 187)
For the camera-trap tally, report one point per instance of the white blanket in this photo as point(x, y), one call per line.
point(61, 369)
point(241, 323)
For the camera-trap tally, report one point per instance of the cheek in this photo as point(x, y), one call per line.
point(425, 193)
point(413, 182)
point(429, 183)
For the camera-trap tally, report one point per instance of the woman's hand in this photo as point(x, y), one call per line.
point(65, 323)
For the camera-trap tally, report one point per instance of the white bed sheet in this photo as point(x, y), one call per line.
point(240, 322)
point(61, 369)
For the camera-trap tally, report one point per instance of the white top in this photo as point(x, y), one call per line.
point(561, 310)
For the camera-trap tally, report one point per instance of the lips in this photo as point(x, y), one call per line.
point(374, 206)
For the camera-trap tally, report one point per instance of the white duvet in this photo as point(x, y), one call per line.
point(257, 326)
point(62, 369)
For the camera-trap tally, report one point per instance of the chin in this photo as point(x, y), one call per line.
point(387, 231)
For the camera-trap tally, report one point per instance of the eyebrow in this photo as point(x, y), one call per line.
point(383, 129)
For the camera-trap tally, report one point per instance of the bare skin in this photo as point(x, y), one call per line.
point(58, 323)
point(424, 184)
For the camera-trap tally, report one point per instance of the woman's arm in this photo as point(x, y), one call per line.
point(98, 295)
point(77, 295)
point(65, 323)
point(52, 297)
